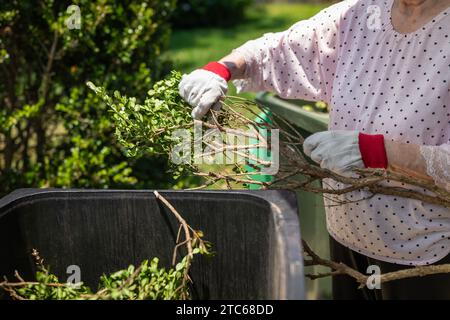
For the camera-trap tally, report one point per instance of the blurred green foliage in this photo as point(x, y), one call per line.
point(56, 132)
point(190, 49)
point(209, 13)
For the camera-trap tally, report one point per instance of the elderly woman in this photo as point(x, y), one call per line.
point(383, 67)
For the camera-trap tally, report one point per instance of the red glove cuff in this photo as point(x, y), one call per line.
point(372, 150)
point(218, 69)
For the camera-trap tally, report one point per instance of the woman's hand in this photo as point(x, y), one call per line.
point(203, 88)
point(342, 151)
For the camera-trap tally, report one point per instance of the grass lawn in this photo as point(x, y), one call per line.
point(190, 49)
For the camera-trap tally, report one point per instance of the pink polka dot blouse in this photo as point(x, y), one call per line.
point(376, 81)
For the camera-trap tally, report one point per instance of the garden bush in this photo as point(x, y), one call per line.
point(209, 13)
point(53, 130)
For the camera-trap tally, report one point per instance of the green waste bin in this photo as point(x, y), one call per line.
point(259, 153)
point(311, 207)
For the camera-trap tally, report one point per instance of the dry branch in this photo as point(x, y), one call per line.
point(191, 237)
point(338, 268)
point(232, 119)
point(297, 165)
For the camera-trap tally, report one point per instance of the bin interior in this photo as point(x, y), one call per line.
point(104, 231)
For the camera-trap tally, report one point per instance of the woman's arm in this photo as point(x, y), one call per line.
point(425, 162)
point(235, 62)
point(298, 63)
point(406, 158)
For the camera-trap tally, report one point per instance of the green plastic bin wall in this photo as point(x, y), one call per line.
point(311, 207)
point(259, 153)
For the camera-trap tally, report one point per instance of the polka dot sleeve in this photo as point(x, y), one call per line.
point(438, 164)
point(298, 63)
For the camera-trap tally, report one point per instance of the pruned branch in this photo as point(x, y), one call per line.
point(339, 268)
point(192, 237)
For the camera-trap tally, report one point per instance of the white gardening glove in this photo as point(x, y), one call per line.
point(203, 89)
point(337, 151)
